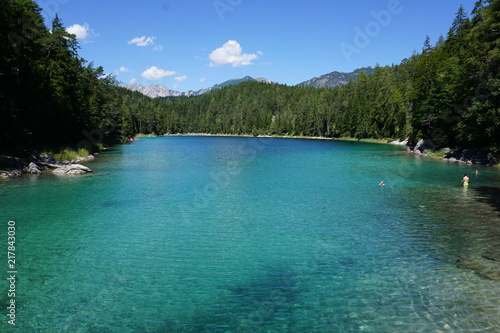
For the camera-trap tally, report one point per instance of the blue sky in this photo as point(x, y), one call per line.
point(193, 44)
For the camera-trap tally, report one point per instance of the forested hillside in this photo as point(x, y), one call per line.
point(334, 79)
point(49, 95)
point(448, 93)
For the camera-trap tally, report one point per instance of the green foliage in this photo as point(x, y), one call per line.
point(68, 154)
point(49, 97)
point(449, 93)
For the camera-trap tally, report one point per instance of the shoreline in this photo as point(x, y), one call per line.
point(381, 141)
point(422, 148)
point(39, 163)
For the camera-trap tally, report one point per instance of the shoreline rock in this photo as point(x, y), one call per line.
point(422, 146)
point(72, 169)
point(399, 143)
point(470, 156)
point(32, 169)
point(37, 163)
point(466, 156)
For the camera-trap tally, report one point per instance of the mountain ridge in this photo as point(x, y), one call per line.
point(334, 79)
point(330, 80)
point(156, 90)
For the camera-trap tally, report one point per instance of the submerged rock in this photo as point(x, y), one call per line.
point(492, 256)
point(491, 275)
point(469, 264)
point(72, 169)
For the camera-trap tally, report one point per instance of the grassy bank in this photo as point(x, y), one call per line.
point(67, 154)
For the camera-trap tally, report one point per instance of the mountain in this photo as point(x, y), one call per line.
point(330, 80)
point(156, 90)
point(334, 79)
point(153, 90)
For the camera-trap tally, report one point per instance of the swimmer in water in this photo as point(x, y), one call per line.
point(465, 180)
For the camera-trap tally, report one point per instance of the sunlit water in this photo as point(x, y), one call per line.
point(220, 234)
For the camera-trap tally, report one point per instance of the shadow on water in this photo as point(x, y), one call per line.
point(255, 307)
point(489, 195)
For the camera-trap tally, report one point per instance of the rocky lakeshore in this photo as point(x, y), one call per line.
point(465, 156)
point(38, 163)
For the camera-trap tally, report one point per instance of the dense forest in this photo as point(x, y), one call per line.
point(447, 93)
point(49, 95)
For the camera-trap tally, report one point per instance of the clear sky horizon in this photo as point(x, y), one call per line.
point(194, 44)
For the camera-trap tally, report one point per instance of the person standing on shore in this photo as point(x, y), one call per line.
point(465, 180)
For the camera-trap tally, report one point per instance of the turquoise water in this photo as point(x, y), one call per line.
point(224, 234)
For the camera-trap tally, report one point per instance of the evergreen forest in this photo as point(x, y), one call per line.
point(448, 93)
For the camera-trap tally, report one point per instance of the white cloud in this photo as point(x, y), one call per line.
point(124, 69)
point(181, 78)
point(134, 80)
point(159, 48)
point(154, 73)
point(231, 53)
point(82, 32)
point(203, 79)
point(142, 41)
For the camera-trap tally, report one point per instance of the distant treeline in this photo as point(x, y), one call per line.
point(448, 93)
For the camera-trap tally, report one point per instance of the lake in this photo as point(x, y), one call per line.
point(234, 234)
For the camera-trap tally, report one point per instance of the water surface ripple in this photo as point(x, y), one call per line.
point(222, 234)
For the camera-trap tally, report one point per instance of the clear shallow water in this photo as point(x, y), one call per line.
point(219, 234)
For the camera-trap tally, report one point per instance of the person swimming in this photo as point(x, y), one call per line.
point(465, 180)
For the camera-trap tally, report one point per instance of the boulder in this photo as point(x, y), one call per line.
point(452, 154)
point(72, 169)
point(471, 156)
point(399, 143)
point(423, 145)
point(83, 159)
point(32, 168)
point(477, 156)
